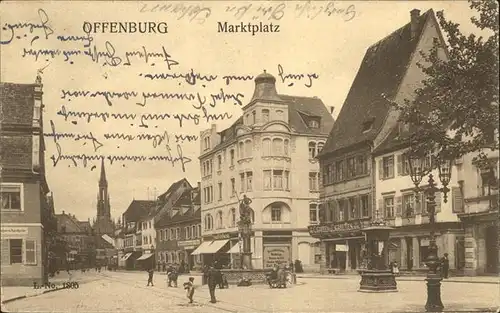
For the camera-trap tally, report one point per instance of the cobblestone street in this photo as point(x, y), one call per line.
point(127, 292)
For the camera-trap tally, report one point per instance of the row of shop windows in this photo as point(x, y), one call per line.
point(19, 251)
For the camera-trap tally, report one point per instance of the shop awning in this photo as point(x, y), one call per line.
point(216, 245)
point(201, 248)
point(126, 256)
point(234, 249)
point(144, 256)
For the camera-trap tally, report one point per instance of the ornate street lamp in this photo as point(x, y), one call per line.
point(421, 165)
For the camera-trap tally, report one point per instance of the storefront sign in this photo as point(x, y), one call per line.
point(276, 254)
point(221, 236)
point(340, 247)
point(188, 243)
point(322, 230)
point(13, 231)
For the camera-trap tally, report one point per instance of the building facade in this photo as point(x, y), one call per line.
point(267, 154)
point(388, 73)
point(132, 233)
point(179, 233)
point(407, 211)
point(478, 189)
point(80, 241)
point(23, 187)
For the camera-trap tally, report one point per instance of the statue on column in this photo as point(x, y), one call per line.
point(245, 210)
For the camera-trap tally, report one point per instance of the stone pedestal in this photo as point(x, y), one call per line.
point(246, 260)
point(377, 281)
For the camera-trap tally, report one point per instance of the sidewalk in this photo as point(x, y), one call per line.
point(11, 293)
point(457, 279)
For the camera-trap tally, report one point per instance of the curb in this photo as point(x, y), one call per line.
point(14, 299)
point(402, 278)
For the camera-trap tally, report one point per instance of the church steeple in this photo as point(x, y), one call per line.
point(104, 223)
point(102, 180)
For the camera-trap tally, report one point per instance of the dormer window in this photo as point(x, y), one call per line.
point(206, 143)
point(403, 128)
point(367, 125)
point(313, 124)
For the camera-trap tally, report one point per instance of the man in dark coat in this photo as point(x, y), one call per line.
point(445, 265)
point(212, 280)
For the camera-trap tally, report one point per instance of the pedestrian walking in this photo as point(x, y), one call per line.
point(445, 265)
point(213, 279)
point(172, 276)
point(189, 287)
point(150, 276)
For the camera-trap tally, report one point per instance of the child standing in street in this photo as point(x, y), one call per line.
point(189, 286)
point(150, 276)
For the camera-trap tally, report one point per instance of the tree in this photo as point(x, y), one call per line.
point(456, 110)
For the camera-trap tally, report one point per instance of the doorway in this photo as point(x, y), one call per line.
point(491, 242)
point(409, 253)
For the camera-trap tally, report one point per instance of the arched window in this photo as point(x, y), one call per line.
point(320, 147)
point(199, 230)
point(209, 223)
point(219, 220)
point(219, 162)
point(265, 116)
point(254, 117)
point(241, 151)
point(172, 234)
point(167, 259)
point(193, 232)
point(312, 150)
point(286, 145)
point(278, 146)
point(233, 217)
point(248, 148)
point(266, 147)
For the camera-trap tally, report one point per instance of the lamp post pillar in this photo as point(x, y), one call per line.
point(433, 279)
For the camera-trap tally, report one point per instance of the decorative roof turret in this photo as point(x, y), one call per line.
point(265, 88)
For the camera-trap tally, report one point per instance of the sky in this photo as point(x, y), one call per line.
point(309, 41)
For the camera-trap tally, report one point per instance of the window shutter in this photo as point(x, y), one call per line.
point(418, 204)
point(5, 251)
point(380, 169)
point(334, 210)
point(380, 208)
point(400, 164)
point(438, 201)
point(370, 209)
point(423, 200)
point(398, 204)
point(357, 201)
point(458, 200)
point(29, 251)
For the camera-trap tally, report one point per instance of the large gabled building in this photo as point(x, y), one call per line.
point(388, 73)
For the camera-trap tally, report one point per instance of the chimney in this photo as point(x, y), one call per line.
point(64, 212)
point(414, 19)
point(332, 108)
point(199, 186)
